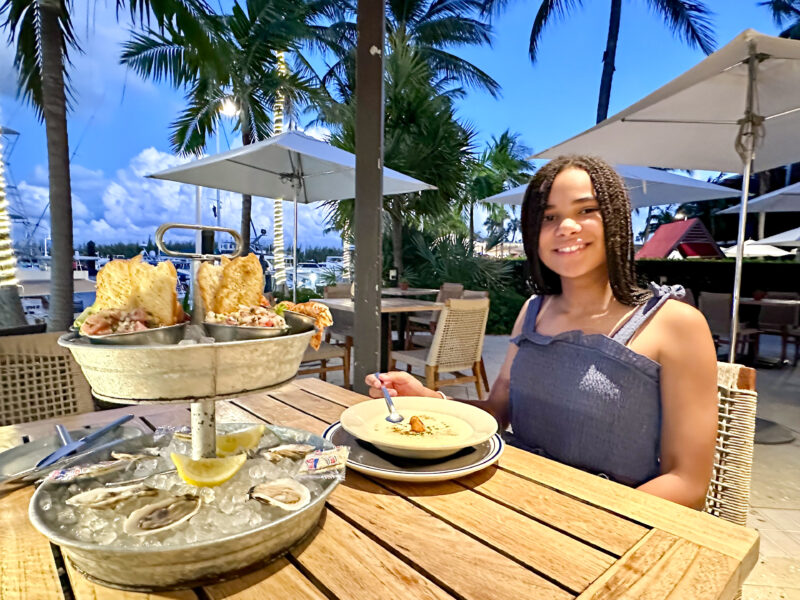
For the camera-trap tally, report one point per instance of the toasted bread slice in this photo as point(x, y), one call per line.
point(154, 290)
point(114, 286)
point(209, 278)
point(242, 284)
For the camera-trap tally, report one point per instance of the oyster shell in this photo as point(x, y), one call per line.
point(162, 515)
point(110, 497)
point(144, 454)
point(292, 451)
point(286, 493)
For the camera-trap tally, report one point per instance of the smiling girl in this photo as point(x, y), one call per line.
point(600, 374)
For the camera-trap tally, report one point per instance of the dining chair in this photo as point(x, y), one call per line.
point(728, 494)
point(716, 308)
point(316, 362)
point(426, 321)
point(336, 291)
point(779, 320)
point(39, 380)
point(456, 346)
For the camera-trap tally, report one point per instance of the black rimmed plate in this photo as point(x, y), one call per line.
point(366, 458)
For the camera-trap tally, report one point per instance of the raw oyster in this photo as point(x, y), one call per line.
point(110, 497)
point(162, 515)
point(144, 454)
point(292, 451)
point(286, 493)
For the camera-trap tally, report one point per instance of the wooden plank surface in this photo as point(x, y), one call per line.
point(388, 305)
point(700, 528)
point(663, 566)
point(279, 579)
point(83, 589)
point(27, 568)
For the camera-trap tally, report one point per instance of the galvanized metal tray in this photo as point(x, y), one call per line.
point(189, 565)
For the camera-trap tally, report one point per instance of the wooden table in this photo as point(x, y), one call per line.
point(769, 302)
point(389, 306)
point(530, 528)
point(396, 291)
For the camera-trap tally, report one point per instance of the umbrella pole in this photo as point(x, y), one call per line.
point(294, 250)
point(748, 155)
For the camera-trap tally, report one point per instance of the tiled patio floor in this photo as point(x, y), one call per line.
point(775, 497)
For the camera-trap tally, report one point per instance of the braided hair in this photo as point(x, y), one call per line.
point(615, 207)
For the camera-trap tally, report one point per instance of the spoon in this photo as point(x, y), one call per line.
point(394, 416)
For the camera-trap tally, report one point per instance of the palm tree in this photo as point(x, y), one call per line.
point(785, 12)
point(239, 66)
point(11, 313)
point(42, 30)
point(688, 19)
point(431, 27)
point(501, 166)
point(422, 138)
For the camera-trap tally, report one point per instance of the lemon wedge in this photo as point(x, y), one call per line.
point(239, 441)
point(207, 472)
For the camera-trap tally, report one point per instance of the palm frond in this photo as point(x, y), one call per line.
point(458, 69)
point(157, 57)
point(547, 10)
point(689, 20)
point(782, 11)
point(453, 31)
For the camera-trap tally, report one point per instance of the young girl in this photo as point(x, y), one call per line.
point(600, 374)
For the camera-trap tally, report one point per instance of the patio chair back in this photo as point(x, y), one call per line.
point(728, 495)
point(777, 318)
point(717, 310)
point(446, 292)
point(472, 294)
point(39, 379)
point(458, 341)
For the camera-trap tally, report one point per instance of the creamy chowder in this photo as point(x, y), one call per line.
point(436, 430)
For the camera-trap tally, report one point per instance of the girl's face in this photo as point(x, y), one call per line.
point(572, 238)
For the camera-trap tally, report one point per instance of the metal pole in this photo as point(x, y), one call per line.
point(369, 188)
point(218, 215)
point(747, 159)
point(294, 249)
point(204, 430)
point(762, 221)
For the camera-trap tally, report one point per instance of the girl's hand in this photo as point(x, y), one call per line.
point(399, 383)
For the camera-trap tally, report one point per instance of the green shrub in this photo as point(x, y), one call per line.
point(303, 295)
point(505, 305)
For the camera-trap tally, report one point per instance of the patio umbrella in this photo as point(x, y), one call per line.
point(646, 187)
point(744, 97)
point(786, 199)
point(754, 249)
point(290, 165)
point(789, 238)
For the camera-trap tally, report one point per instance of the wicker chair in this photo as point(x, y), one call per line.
point(728, 495)
point(39, 379)
point(315, 362)
point(426, 321)
point(457, 345)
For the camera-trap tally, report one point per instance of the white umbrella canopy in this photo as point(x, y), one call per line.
point(736, 111)
point(646, 187)
point(291, 166)
point(789, 238)
point(273, 168)
point(756, 250)
point(786, 199)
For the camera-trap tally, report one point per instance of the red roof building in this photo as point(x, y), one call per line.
point(690, 238)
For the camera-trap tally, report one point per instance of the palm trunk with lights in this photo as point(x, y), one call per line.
point(278, 252)
point(609, 58)
point(11, 313)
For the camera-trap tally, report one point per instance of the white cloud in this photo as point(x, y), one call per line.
point(130, 206)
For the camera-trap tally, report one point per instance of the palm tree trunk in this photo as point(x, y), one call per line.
point(397, 237)
point(247, 202)
point(54, 107)
point(471, 228)
point(609, 56)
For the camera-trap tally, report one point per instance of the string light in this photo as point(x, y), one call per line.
point(7, 261)
point(277, 221)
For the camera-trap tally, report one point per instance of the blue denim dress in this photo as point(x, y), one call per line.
point(587, 400)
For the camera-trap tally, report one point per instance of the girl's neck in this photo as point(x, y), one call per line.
point(590, 293)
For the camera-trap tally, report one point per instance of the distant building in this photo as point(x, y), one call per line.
point(681, 239)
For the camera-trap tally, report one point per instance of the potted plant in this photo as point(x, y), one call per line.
point(403, 283)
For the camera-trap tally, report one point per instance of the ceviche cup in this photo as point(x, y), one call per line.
point(452, 426)
point(230, 333)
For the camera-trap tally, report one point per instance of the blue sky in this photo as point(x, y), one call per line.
point(120, 124)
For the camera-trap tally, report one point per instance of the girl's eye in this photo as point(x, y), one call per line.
point(549, 218)
point(590, 210)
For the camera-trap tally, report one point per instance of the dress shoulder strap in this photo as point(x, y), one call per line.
point(661, 293)
point(535, 305)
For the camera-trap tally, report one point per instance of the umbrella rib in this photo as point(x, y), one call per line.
point(257, 168)
point(679, 121)
point(782, 114)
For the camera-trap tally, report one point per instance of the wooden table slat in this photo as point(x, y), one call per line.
point(695, 526)
point(663, 566)
point(27, 569)
point(279, 579)
point(601, 528)
point(542, 548)
point(321, 388)
point(274, 411)
point(83, 589)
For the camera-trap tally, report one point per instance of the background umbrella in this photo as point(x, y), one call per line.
point(789, 238)
point(786, 199)
point(290, 165)
point(745, 96)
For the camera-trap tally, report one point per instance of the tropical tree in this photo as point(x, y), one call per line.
point(687, 19)
point(422, 138)
point(501, 166)
point(431, 27)
point(239, 65)
point(44, 37)
point(786, 14)
point(11, 313)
